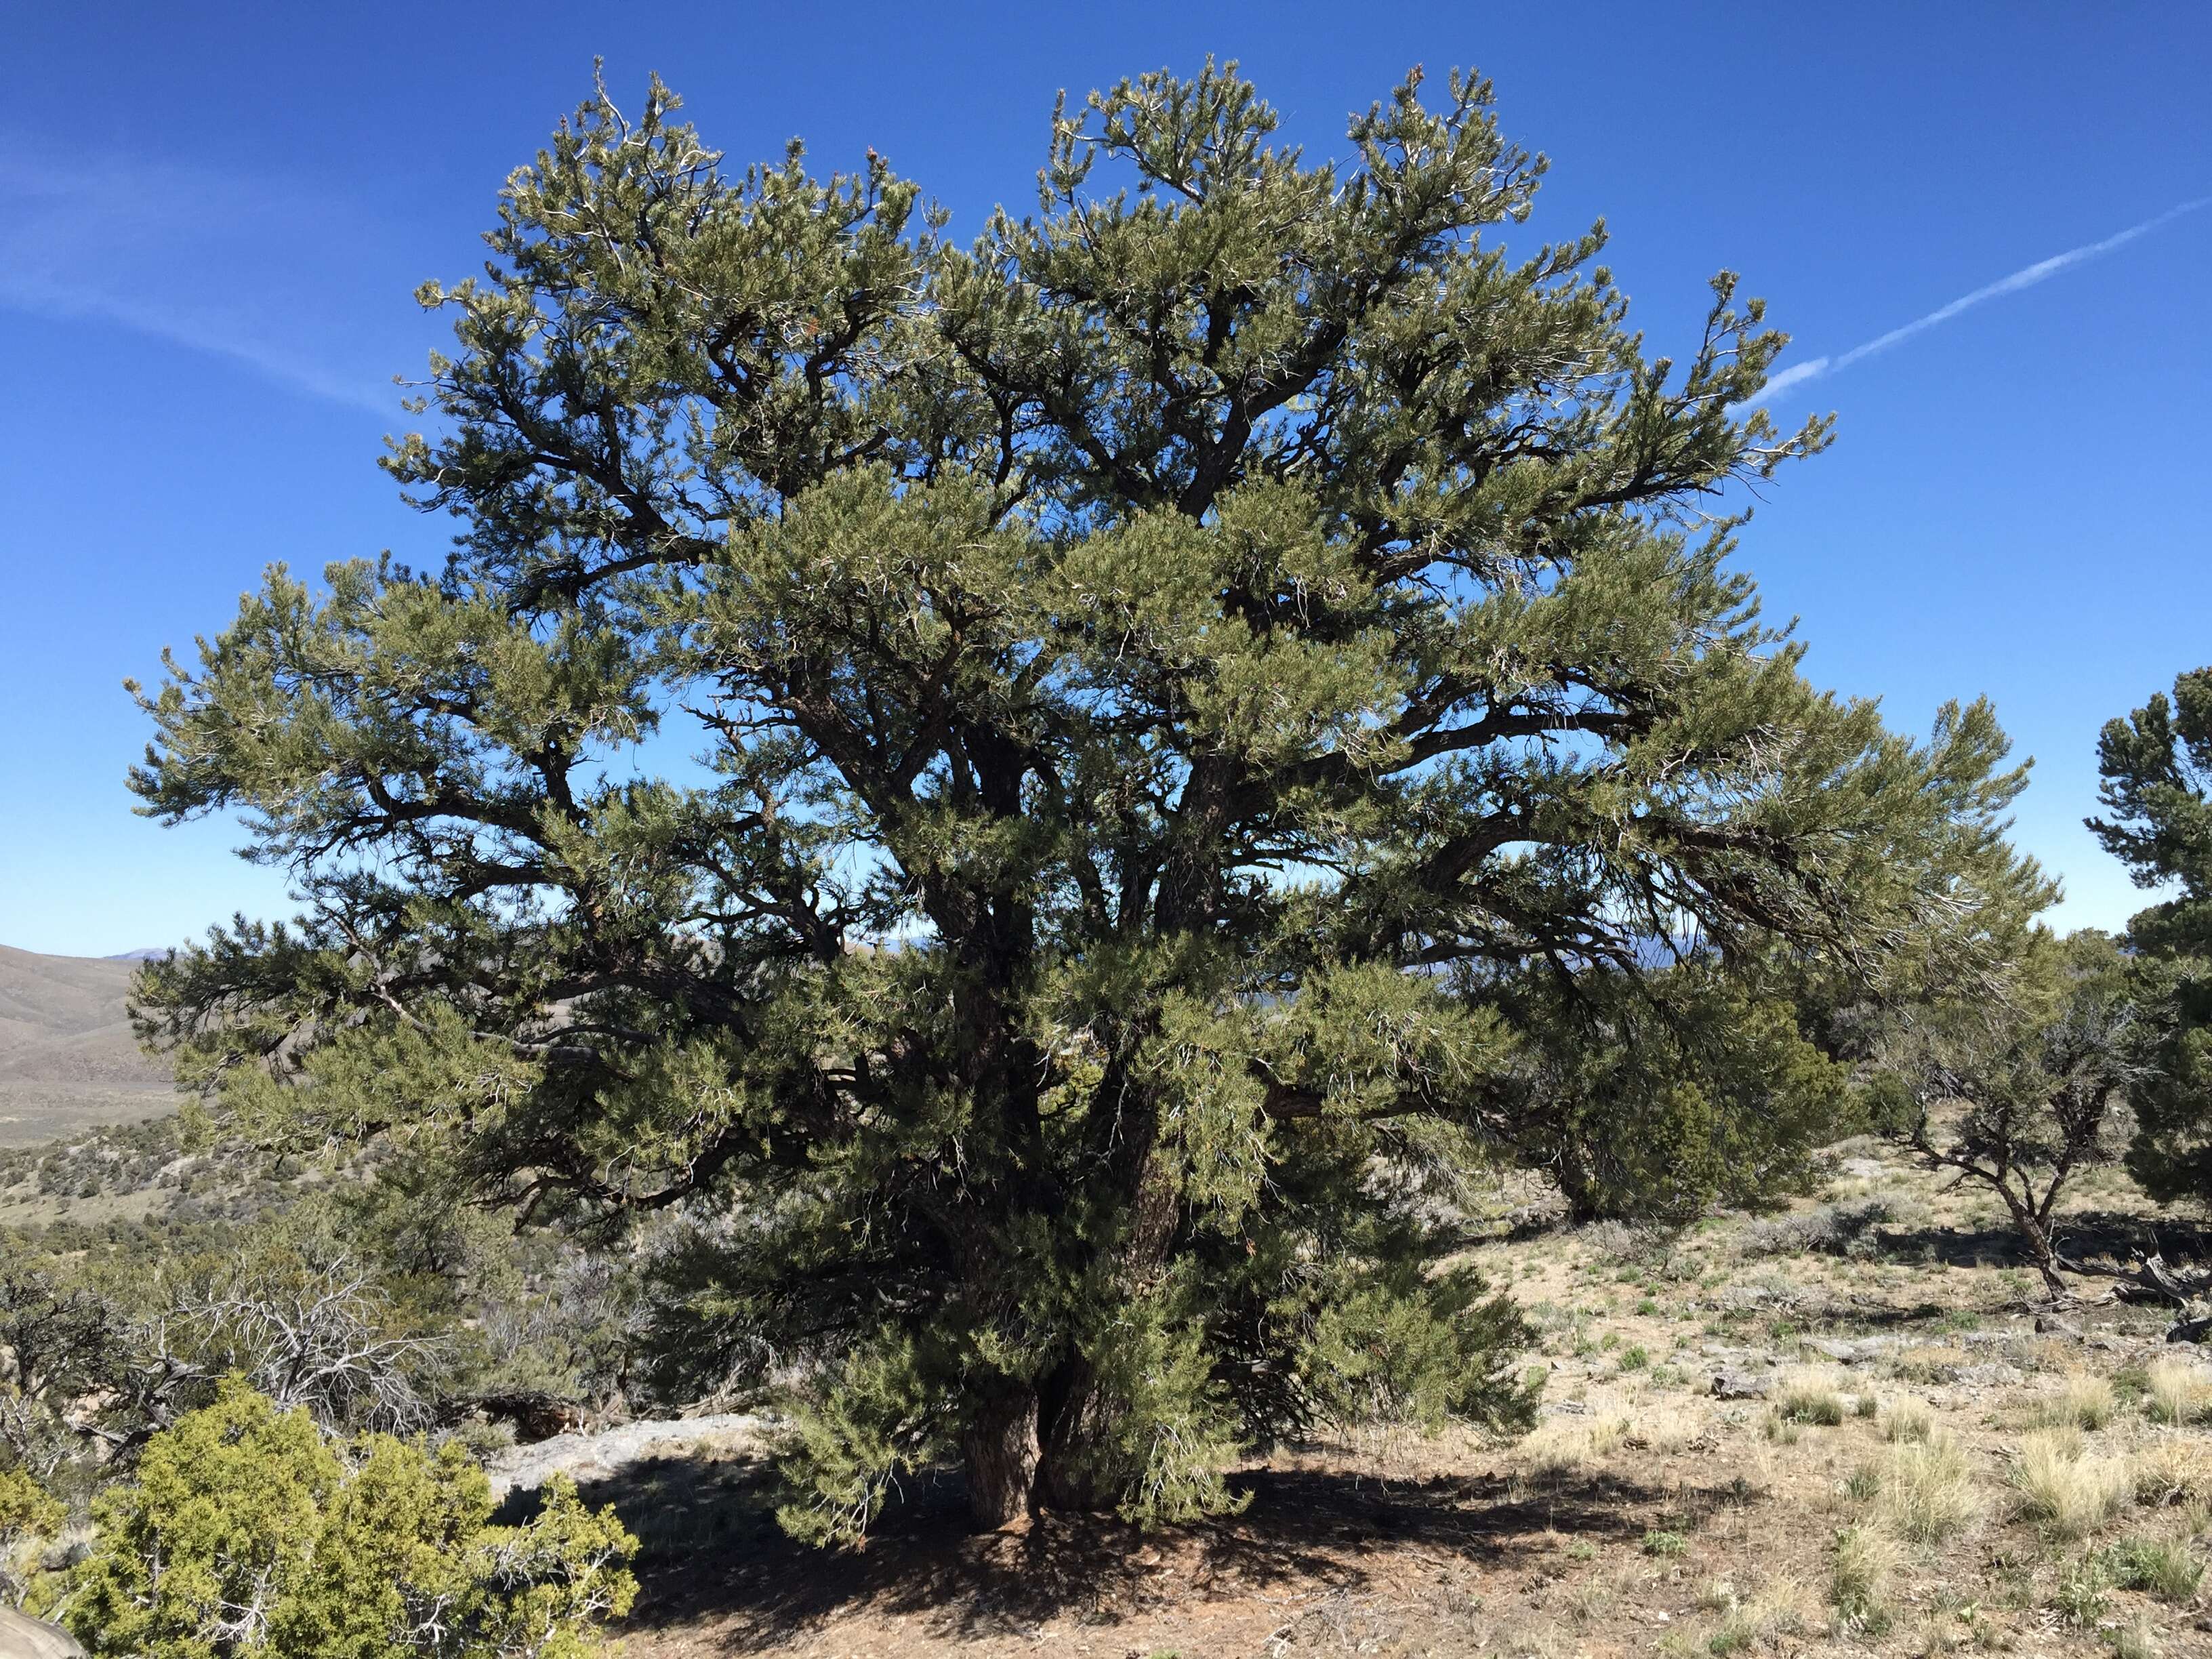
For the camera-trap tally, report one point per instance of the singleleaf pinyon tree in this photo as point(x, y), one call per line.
point(2017, 1085)
point(1157, 669)
point(2156, 767)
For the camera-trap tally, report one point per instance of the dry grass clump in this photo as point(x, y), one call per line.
point(1866, 1566)
point(1809, 1396)
point(1926, 1490)
point(2082, 1401)
point(1556, 1449)
point(1590, 1599)
point(2067, 1494)
point(1839, 1229)
point(1783, 1608)
point(1666, 1429)
point(2177, 1392)
point(1929, 1363)
point(2137, 1641)
point(2172, 1470)
point(1908, 1420)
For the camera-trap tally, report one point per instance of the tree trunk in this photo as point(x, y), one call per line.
point(999, 1449)
point(2040, 1251)
point(1074, 1415)
point(1577, 1184)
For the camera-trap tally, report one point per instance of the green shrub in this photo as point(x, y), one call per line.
point(246, 1532)
point(2165, 1568)
point(27, 1516)
point(2082, 1592)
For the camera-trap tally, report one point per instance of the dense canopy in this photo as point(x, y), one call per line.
point(1033, 791)
point(2156, 767)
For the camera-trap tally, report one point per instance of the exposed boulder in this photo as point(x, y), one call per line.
point(23, 1637)
point(1730, 1383)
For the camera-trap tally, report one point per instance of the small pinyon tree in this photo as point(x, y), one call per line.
point(2016, 1087)
point(1160, 679)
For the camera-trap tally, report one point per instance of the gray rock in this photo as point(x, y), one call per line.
point(1731, 1384)
point(1830, 1347)
point(594, 1456)
point(1848, 1352)
point(22, 1637)
point(1722, 1355)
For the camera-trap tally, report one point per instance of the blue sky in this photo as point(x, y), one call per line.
point(215, 217)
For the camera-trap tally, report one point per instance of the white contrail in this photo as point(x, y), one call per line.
point(1814, 368)
point(215, 261)
point(219, 334)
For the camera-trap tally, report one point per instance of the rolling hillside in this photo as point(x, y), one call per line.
point(67, 1057)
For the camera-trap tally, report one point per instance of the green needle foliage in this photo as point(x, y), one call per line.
point(1173, 681)
point(1658, 1096)
point(2015, 1086)
point(246, 1533)
point(2157, 770)
point(29, 1517)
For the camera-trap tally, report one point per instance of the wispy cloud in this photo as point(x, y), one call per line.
point(253, 270)
point(1816, 368)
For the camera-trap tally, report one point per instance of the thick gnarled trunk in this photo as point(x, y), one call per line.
point(1025, 1449)
point(1074, 1417)
point(999, 1450)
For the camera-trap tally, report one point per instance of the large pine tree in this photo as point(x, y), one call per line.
point(1168, 676)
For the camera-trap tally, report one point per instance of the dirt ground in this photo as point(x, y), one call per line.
point(1851, 1428)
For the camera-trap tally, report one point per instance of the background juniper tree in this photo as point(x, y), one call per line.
point(1655, 1095)
point(2157, 770)
point(2015, 1084)
point(1170, 676)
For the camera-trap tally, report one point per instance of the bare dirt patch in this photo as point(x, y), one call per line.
point(1862, 1492)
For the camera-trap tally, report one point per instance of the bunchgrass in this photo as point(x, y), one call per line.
point(2176, 1392)
point(1908, 1420)
point(1866, 1566)
point(2066, 1493)
point(2172, 1469)
point(1809, 1397)
point(1928, 1491)
point(2082, 1401)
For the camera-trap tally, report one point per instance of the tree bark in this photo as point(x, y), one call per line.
point(1074, 1415)
point(999, 1449)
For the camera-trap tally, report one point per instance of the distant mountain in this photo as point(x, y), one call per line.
point(149, 954)
point(67, 1059)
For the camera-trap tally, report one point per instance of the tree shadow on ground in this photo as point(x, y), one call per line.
point(713, 1554)
point(2084, 1236)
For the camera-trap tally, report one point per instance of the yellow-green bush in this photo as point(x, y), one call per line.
point(27, 1515)
point(246, 1532)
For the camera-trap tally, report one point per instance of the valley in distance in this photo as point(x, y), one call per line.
point(68, 1060)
